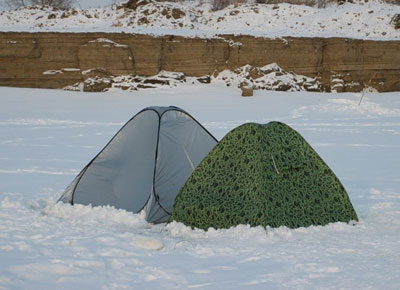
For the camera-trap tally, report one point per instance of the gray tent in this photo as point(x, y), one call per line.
point(145, 164)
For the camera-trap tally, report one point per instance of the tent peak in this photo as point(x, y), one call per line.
point(160, 110)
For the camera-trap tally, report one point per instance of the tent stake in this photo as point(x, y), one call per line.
point(363, 92)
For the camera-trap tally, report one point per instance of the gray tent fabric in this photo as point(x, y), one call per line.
point(145, 164)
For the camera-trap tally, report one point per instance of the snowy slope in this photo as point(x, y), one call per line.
point(361, 20)
point(47, 136)
point(76, 4)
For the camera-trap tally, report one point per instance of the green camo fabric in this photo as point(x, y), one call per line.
point(264, 175)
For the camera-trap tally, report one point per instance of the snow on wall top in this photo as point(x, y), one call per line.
point(371, 20)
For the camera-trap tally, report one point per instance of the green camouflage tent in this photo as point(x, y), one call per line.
point(262, 175)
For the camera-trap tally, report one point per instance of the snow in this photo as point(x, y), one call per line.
point(47, 136)
point(77, 3)
point(269, 77)
point(361, 20)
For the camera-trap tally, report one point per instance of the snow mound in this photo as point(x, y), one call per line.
point(148, 244)
point(129, 82)
point(354, 105)
point(269, 77)
point(87, 216)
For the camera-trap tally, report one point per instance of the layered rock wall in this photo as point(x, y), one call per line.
point(55, 60)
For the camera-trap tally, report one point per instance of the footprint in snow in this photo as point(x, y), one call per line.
point(148, 244)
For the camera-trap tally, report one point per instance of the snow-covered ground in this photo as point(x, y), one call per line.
point(361, 19)
point(76, 4)
point(47, 136)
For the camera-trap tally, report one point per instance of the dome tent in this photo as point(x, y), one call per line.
point(262, 175)
point(145, 164)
